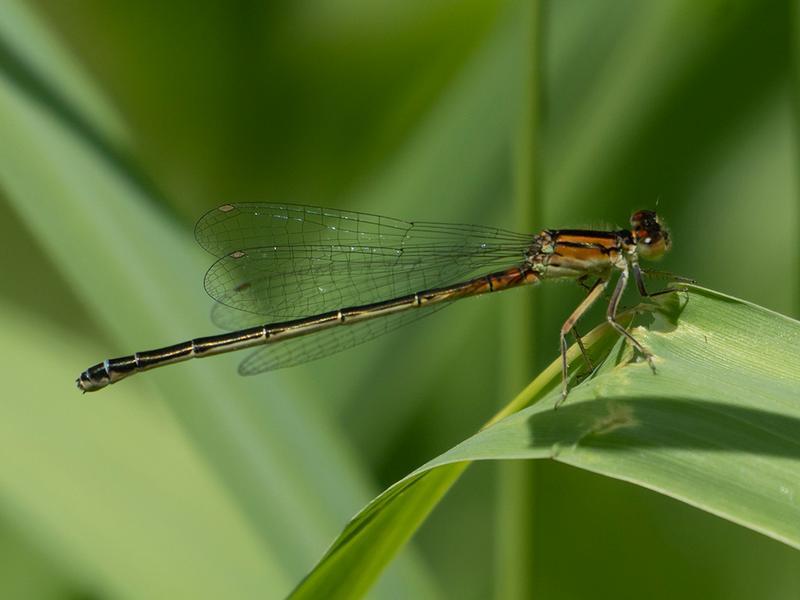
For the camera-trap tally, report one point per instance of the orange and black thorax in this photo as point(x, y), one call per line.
point(573, 253)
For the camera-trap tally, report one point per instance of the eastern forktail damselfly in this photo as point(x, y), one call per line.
point(327, 280)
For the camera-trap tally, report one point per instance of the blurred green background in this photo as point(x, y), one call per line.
point(122, 122)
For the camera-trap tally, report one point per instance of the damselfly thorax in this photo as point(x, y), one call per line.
point(324, 280)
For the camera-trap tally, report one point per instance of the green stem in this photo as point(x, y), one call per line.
point(515, 490)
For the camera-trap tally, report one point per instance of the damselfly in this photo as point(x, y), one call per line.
point(327, 280)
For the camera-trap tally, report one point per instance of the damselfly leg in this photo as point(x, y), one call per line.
point(582, 348)
point(569, 325)
point(639, 274)
point(611, 317)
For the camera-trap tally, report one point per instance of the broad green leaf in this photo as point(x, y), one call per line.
point(716, 427)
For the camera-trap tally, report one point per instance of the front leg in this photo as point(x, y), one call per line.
point(611, 316)
point(639, 273)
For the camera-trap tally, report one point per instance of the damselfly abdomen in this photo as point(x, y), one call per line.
point(325, 280)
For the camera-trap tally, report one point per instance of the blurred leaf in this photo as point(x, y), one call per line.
point(621, 134)
point(290, 101)
point(35, 59)
point(716, 427)
point(110, 503)
point(130, 266)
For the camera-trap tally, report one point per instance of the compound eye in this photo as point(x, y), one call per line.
point(643, 219)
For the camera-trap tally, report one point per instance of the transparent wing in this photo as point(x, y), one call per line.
point(234, 227)
point(292, 352)
point(286, 261)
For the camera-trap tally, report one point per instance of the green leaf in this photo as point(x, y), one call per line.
point(716, 427)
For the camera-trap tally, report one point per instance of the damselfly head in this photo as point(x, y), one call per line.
point(650, 234)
